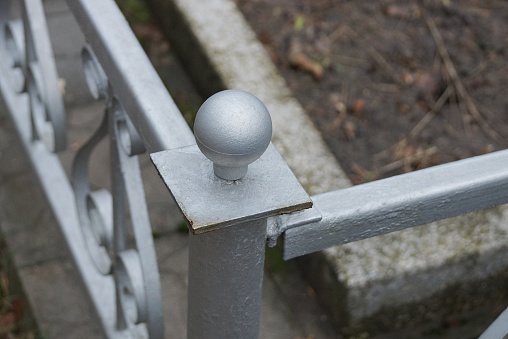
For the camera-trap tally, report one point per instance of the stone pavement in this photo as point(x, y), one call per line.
point(36, 246)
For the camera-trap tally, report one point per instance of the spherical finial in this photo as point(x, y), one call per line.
point(233, 129)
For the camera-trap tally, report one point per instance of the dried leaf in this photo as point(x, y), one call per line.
point(7, 320)
point(349, 128)
point(358, 107)
point(18, 308)
point(398, 12)
point(298, 59)
point(427, 85)
point(361, 175)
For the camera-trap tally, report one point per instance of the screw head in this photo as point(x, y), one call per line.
point(233, 129)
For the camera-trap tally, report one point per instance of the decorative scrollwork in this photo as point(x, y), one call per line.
point(94, 208)
point(95, 77)
point(15, 56)
point(32, 70)
point(130, 284)
point(103, 215)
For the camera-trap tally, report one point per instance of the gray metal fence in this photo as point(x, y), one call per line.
point(235, 196)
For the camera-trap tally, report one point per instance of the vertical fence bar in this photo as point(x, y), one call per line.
point(225, 280)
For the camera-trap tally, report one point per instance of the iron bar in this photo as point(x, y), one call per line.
point(498, 329)
point(407, 200)
point(133, 78)
point(60, 197)
point(225, 281)
point(46, 104)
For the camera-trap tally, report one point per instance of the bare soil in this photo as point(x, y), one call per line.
point(393, 85)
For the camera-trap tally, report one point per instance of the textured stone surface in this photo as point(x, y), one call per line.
point(402, 274)
point(61, 310)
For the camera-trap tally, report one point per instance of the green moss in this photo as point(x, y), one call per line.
point(274, 261)
point(156, 234)
point(189, 108)
point(182, 228)
point(136, 11)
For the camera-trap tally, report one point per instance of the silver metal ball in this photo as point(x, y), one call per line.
point(233, 129)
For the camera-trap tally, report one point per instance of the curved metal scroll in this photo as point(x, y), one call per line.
point(15, 56)
point(103, 215)
point(94, 208)
point(33, 71)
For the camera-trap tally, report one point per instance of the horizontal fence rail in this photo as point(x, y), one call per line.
point(137, 85)
point(498, 329)
point(403, 201)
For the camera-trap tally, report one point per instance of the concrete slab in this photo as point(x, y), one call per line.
point(60, 309)
point(63, 28)
point(55, 6)
point(376, 285)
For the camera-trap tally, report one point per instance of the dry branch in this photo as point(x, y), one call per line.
point(459, 86)
point(378, 58)
point(430, 114)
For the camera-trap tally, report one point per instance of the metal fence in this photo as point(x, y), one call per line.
point(235, 196)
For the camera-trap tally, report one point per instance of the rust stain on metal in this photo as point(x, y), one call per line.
point(200, 229)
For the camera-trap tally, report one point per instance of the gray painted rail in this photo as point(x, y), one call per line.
point(400, 202)
point(136, 83)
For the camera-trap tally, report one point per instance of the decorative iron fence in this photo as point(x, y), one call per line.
point(235, 196)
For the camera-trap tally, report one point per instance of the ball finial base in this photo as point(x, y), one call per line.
point(230, 173)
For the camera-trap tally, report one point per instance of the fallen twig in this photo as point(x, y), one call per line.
point(459, 86)
point(378, 58)
point(409, 160)
point(430, 114)
point(298, 59)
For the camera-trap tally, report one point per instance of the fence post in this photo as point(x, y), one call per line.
point(226, 187)
point(225, 280)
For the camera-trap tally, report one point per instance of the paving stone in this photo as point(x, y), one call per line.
point(58, 301)
point(63, 29)
point(76, 90)
point(55, 7)
point(25, 221)
point(11, 157)
point(172, 254)
point(35, 242)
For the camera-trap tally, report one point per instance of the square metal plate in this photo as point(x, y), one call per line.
point(207, 202)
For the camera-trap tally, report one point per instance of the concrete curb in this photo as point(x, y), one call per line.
point(429, 274)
